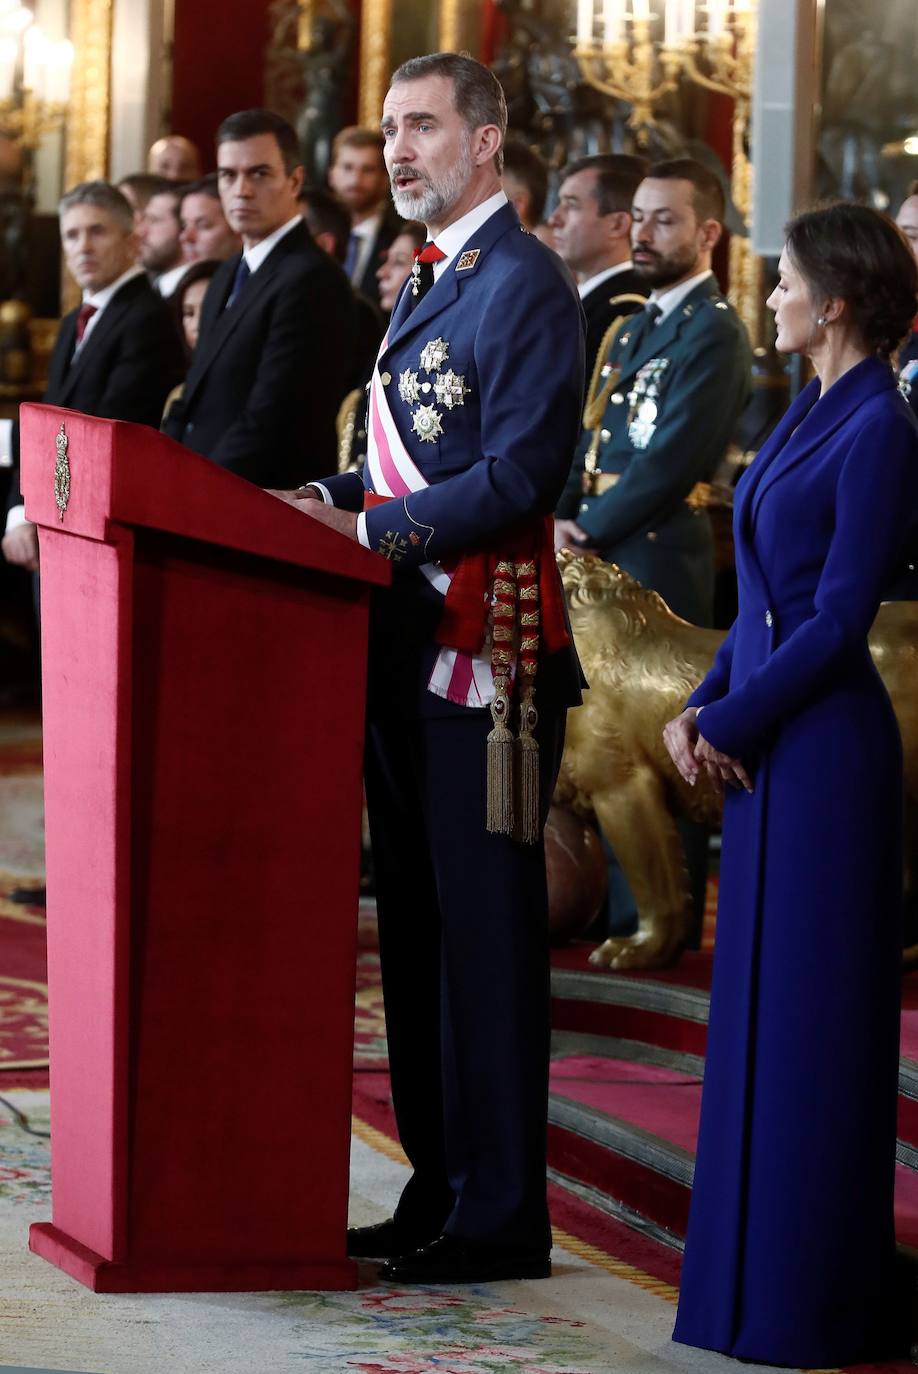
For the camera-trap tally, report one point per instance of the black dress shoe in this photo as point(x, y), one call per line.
point(449, 1259)
point(385, 1240)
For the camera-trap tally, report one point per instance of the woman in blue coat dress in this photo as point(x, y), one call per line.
point(790, 1255)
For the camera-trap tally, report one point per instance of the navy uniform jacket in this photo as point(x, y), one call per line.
point(511, 322)
point(696, 368)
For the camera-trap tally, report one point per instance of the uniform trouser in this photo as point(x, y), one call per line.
point(463, 935)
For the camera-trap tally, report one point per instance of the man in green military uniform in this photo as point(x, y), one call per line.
point(664, 402)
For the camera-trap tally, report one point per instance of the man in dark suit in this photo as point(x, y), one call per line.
point(359, 179)
point(477, 406)
point(271, 364)
point(592, 232)
point(119, 354)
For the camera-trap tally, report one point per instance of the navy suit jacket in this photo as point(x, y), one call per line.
point(512, 323)
point(814, 569)
point(269, 373)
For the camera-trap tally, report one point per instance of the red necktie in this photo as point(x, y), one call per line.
point(422, 274)
point(84, 315)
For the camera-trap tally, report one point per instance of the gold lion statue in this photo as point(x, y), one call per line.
point(642, 662)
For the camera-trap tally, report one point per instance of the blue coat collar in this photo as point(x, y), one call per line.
point(811, 420)
point(446, 289)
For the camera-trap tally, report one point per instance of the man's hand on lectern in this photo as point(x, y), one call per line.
point(344, 521)
point(294, 498)
point(20, 546)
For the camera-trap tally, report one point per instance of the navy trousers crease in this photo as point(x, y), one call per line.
point(463, 931)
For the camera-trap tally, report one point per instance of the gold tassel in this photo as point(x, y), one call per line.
point(526, 817)
point(500, 764)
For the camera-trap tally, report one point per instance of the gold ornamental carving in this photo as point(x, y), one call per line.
point(642, 662)
point(89, 120)
point(62, 473)
point(375, 59)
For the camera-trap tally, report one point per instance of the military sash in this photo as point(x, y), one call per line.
point(458, 676)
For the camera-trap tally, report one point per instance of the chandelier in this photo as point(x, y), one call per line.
point(34, 77)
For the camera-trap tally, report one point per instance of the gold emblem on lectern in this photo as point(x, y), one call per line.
point(62, 472)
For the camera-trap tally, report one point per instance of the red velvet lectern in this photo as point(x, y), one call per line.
point(204, 665)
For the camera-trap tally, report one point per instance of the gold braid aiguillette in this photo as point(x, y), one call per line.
point(500, 740)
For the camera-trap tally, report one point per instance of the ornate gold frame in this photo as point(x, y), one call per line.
point(89, 119)
point(375, 62)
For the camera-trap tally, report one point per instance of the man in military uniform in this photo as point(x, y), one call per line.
point(675, 380)
point(475, 406)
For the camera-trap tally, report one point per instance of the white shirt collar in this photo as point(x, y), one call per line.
point(591, 283)
point(101, 298)
point(256, 255)
point(368, 228)
point(167, 282)
point(455, 236)
point(674, 296)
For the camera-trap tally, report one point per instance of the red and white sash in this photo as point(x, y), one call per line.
point(459, 677)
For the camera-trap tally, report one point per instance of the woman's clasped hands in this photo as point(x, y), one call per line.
point(690, 752)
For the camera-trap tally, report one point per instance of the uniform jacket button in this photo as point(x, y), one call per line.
point(385, 378)
point(652, 535)
point(617, 398)
point(605, 435)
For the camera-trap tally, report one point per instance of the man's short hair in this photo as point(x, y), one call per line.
point(103, 195)
point(477, 93)
point(250, 123)
point(204, 186)
point(618, 175)
point(530, 170)
point(358, 136)
point(325, 214)
point(145, 185)
point(708, 195)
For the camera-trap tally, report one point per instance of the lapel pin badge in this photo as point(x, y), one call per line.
point(468, 259)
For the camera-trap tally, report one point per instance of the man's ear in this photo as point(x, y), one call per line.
point(487, 143)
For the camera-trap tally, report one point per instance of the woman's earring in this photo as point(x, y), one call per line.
point(822, 321)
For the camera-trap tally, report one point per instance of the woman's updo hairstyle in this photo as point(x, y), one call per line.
point(861, 257)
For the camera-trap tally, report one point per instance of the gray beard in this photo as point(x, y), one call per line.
point(436, 198)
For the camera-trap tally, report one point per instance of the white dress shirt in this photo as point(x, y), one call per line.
point(366, 232)
point(256, 255)
point(585, 287)
point(167, 283)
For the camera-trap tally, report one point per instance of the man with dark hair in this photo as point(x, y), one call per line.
point(276, 342)
point(476, 406)
point(679, 374)
point(525, 182)
point(158, 235)
point(205, 234)
point(138, 187)
point(592, 232)
point(660, 418)
point(119, 354)
point(358, 177)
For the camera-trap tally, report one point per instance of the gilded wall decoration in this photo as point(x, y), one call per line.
point(90, 94)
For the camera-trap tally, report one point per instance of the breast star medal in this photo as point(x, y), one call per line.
point(408, 386)
point(450, 389)
point(427, 424)
point(434, 354)
point(62, 472)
